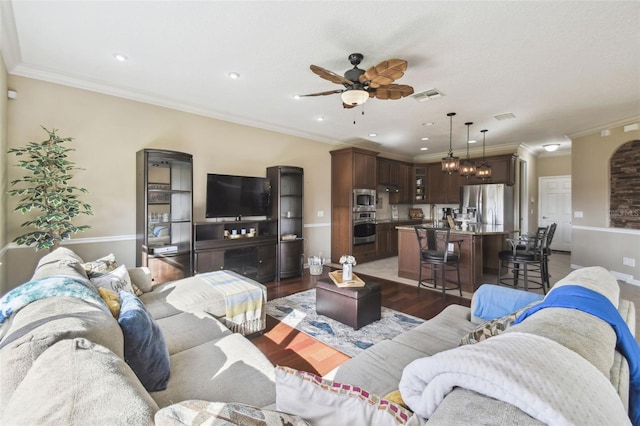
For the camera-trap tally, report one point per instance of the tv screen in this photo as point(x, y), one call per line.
point(234, 196)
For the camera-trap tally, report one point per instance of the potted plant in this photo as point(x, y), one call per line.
point(46, 188)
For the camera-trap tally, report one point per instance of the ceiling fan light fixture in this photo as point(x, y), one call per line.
point(354, 96)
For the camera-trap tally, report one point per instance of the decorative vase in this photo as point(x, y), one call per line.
point(347, 272)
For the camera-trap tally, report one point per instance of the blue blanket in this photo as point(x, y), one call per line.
point(42, 288)
point(594, 303)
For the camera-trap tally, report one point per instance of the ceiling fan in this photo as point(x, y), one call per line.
point(360, 85)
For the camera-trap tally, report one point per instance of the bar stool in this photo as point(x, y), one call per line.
point(526, 257)
point(546, 252)
point(434, 254)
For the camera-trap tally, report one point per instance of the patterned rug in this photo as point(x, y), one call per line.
point(299, 311)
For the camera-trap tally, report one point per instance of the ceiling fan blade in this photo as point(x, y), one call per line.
point(330, 75)
point(393, 91)
point(329, 92)
point(385, 73)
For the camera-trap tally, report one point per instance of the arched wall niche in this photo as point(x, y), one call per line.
point(624, 186)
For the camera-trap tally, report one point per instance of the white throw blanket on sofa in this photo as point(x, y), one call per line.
point(539, 376)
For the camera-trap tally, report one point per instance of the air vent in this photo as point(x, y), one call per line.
point(428, 95)
point(505, 116)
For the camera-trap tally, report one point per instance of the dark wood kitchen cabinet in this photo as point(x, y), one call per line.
point(350, 168)
point(443, 188)
point(503, 170)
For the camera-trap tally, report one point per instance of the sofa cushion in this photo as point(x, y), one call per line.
point(324, 402)
point(190, 329)
point(595, 278)
point(61, 261)
point(144, 345)
point(230, 369)
point(195, 412)
point(41, 324)
point(379, 368)
point(185, 295)
point(440, 333)
point(79, 382)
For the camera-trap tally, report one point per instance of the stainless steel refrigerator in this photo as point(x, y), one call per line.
point(492, 204)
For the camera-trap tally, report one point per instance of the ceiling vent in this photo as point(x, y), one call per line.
point(427, 95)
point(505, 116)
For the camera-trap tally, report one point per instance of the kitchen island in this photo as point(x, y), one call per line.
point(478, 253)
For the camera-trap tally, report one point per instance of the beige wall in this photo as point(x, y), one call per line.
point(109, 130)
point(594, 243)
point(3, 175)
point(554, 165)
point(531, 186)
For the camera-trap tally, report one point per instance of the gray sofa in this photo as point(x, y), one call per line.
point(62, 361)
point(62, 358)
point(380, 368)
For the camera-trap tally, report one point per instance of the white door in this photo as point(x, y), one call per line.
point(554, 195)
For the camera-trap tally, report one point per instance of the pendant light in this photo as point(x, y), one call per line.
point(483, 171)
point(467, 167)
point(450, 163)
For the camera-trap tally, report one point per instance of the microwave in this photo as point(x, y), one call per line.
point(364, 200)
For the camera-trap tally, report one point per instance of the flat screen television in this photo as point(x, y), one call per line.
point(236, 196)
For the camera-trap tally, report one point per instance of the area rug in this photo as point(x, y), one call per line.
point(299, 311)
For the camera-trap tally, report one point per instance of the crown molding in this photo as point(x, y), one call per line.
point(617, 123)
point(9, 44)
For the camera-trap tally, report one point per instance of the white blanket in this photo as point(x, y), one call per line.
point(539, 376)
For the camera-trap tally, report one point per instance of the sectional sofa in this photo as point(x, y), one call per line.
point(62, 361)
point(62, 358)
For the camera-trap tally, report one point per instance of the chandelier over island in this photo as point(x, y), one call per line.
point(467, 167)
point(450, 163)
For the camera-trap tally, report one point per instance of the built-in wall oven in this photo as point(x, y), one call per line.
point(364, 227)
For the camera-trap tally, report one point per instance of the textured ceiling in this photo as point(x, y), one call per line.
point(561, 68)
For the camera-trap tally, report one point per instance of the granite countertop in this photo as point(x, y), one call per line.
point(474, 229)
point(408, 221)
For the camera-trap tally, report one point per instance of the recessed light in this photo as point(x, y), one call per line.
point(424, 139)
point(472, 141)
point(120, 57)
point(234, 75)
point(430, 123)
point(373, 135)
point(296, 97)
point(424, 148)
point(320, 118)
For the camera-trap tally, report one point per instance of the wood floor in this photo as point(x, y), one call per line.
point(284, 345)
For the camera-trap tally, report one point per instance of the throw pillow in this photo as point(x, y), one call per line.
point(492, 301)
point(145, 349)
point(324, 402)
point(396, 397)
point(112, 300)
point(494, 327)
point(100, 266)
point(115, 280)
point(196, 412)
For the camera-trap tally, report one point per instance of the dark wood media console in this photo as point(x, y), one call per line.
point(252, 254)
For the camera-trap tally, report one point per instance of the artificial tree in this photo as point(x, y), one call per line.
point(46, 188)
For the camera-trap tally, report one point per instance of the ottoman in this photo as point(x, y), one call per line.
point(353, 306)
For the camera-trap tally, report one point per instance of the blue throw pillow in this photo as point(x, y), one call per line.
point(144, 347)
point(492, 301)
